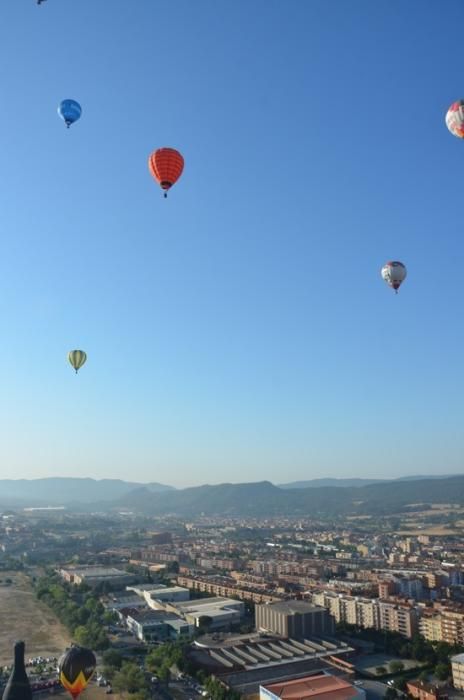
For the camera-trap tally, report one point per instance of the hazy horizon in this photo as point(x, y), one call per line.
point(238, 330)
point(231, 481)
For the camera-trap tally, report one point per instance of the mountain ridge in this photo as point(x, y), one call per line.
point(262, 499)
point(258, 499)
point(58, 490)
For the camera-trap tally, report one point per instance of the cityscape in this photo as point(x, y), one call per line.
point(231, 377)
point(241, 606)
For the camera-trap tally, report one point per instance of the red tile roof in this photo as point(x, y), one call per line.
point(314, 687)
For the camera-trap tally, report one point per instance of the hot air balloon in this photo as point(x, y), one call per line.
point(70, 111)
point(166, 166)
point(394, 273)
point(455, 119)
point(75, 669)
point(77, 358)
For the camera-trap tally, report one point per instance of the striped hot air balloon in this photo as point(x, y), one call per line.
point(76, 668)
point(76, 359)
point(166, 166)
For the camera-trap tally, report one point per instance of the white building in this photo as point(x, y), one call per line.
point(151, 625)
point(220, 613)
point(457, 667)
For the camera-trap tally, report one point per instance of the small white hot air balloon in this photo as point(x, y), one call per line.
point(76, 359)
point(394, 273)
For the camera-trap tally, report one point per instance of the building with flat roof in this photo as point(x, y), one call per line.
point(151, 625)
point(294, 618)
point(118, 602)
point(94, 575)
point(322, 686)
point(246, 661)
point(220, 613)
point(173, 594)
point(457, 667)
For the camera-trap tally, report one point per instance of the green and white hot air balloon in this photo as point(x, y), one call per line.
point(76, 359)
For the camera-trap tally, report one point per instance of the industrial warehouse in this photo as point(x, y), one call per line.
point(245, 662)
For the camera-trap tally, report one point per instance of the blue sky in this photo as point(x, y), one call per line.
point(238, 330)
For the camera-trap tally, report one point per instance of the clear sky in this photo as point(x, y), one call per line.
point(240, 329)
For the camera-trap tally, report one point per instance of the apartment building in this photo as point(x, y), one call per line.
point(457, 667)
point(216, 586)
point(425, 691)
point(367, 612)
point(446, 625)
point(430, 626)
point(398, 618)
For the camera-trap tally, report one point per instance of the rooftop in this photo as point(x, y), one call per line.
point(249, 652)
point(147, 616)
point(165, 591)
point(145, 587)
point(294, 606)
point(95, 571)
point(203, 604)
point(322, 685)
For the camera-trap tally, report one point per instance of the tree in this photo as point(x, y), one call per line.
point(173, 567)
point(112, 657)
point(391, 693)
point(442, 671)
point(424, 676)
point(396, 666)
point(110, 617)
point(164, 674)
point(381, 670)
point(82, 637)
point(130, 679)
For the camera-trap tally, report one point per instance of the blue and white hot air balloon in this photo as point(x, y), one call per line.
point(70, 111)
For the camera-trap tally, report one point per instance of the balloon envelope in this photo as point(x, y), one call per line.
point(77, 358)
point(455, 119)
point(70, 111)
point(166, 166)
point(394, 273)
point(75, 669)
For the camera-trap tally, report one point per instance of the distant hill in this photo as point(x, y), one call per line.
point(63, 490)
point(227, 499)
point(258, 499)
point(317, 483)
point(263, 498)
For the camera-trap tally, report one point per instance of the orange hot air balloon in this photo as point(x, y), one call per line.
point(166, 166)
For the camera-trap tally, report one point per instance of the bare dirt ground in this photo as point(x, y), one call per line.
point(24, 617)
point(438, 531)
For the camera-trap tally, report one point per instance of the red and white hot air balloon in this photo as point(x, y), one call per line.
point(455, 119)
point(394, 273)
